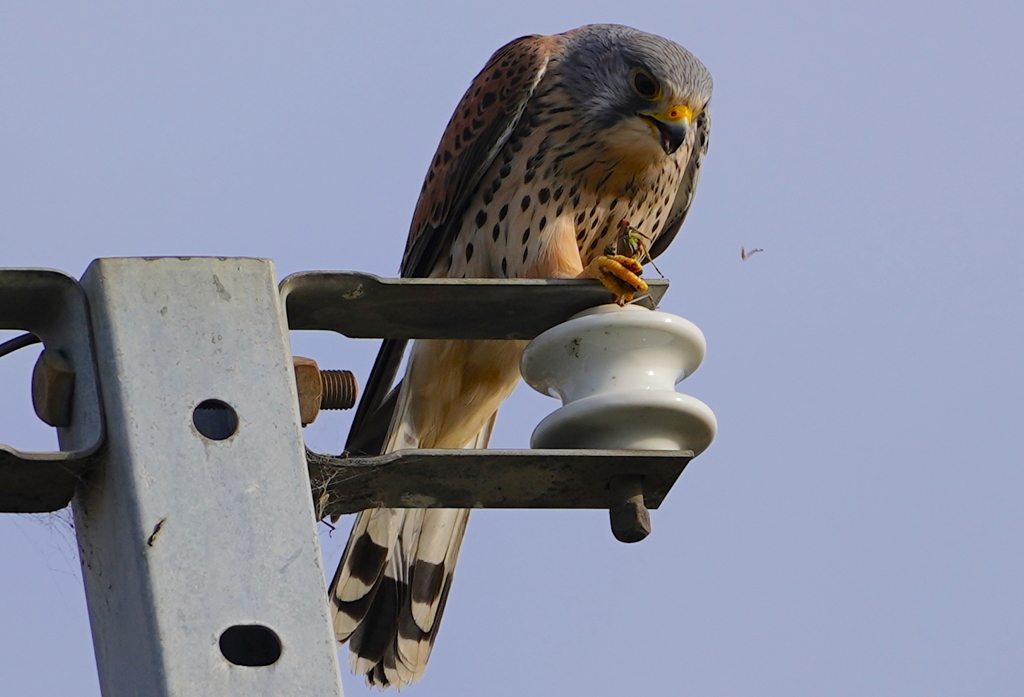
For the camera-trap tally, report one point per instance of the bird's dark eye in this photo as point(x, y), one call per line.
point(645, 85)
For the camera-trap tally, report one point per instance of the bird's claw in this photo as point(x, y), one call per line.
point(618, 273)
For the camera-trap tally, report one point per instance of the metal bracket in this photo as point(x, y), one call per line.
point(488, 478)
point(363, 306)
point(53, 306)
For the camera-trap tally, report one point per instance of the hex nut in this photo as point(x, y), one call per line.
point(310, 387)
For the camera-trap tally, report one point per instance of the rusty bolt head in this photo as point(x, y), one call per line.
point(53, 387)
point(310, 386)
point(322, 389)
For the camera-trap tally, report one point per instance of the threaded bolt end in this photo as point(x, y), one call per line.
point(340, 389)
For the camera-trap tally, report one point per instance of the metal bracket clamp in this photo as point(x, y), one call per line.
point(53, 306)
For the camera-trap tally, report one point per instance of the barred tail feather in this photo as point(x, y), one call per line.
point(359, 574)
point(394, 634)
point(391, 586)
point(431, 581)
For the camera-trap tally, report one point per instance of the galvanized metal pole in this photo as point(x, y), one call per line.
point(197, 532)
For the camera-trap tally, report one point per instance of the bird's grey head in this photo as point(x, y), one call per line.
point(616, 74)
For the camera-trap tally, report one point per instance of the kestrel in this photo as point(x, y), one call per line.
point(560, 145)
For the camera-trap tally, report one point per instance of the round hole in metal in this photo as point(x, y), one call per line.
point(215, 419)
point(250, 645)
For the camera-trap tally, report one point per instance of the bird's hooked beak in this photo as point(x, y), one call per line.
point(670, 126)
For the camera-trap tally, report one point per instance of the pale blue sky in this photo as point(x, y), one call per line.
point(855, 528)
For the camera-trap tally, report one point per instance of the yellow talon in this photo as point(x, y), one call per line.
point(618, 273)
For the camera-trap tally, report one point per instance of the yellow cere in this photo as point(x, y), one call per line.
point(679, 112)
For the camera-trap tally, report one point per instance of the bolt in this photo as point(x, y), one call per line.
point(631, 522)
point(340, 389)
point(322, 389)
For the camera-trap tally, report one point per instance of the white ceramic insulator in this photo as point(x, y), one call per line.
point(615, 370)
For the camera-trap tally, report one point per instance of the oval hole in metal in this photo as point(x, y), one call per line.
point(250, 645)
point(215, 419)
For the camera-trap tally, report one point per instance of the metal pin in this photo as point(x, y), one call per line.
point(630, 519)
